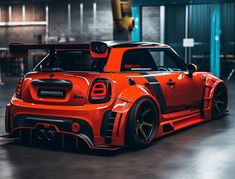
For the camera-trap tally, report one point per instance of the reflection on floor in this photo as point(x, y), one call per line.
point(205, 151)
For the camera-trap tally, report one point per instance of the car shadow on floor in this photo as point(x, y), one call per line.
point(197, 132)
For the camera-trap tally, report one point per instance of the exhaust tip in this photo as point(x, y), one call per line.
point(41, 134)
point(50, 135)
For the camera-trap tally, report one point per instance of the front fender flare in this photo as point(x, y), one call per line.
point(210, 85)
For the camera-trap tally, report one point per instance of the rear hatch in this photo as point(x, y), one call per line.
point(62, 78)
point(59, 88)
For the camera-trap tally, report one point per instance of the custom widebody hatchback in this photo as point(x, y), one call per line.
point(110, 95)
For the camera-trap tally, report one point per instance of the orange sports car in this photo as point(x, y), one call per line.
point(108, 95)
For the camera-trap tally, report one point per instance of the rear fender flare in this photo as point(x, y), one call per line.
point(129, 96)
point(125, 102)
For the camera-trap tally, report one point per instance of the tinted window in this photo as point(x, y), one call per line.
point(138, 60)
point(72, 61)
point(167, 60)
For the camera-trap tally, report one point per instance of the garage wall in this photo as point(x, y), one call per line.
point(228, 28)
point(151, 24)
point(200, 23)
point(175, 28)
point(200, 28)
point(99, 29)
point(21, 33)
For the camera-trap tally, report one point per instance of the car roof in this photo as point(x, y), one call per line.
point(129, 44)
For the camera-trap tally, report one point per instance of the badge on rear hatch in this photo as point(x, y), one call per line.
point(47, 93)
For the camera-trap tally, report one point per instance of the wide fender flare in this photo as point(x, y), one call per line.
point(129, 96)
point(210, 86)
point(126, 100)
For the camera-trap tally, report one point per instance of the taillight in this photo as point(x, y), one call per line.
point(19, 88)
point(100, 91)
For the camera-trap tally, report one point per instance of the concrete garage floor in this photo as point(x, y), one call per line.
point(205, 151)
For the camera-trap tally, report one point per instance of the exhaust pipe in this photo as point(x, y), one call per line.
point(41, 134)
point(50, 135)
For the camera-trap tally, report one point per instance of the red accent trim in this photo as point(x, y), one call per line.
point(75, 127)
point(97, 55)
point(7, 118)
point(99, 90)
point(18, 90)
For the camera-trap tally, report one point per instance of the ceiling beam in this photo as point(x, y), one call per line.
point(33, 1)
point(175, 2)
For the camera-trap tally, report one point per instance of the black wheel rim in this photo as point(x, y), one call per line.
point(219, 101)
point(145, 121)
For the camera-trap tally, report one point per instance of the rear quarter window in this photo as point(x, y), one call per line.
point(138, 60)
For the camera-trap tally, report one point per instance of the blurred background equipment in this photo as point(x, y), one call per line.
point(3, 62)
point(123, 23)
point(122, 15)
point(210, 23)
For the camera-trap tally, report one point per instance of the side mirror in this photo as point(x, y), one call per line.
point(191, 69)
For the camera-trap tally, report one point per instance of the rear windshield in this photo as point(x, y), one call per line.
point(71, 61)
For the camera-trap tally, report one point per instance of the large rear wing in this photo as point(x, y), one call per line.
point(21, 50)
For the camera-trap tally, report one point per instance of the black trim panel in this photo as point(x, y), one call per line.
point(107, 126)
point(119, 122)
point(64, 124)
point(105, 122)
point(196, 105)
point(154, 86)
point(51, 82)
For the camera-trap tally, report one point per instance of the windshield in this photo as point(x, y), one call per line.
point(71, 61)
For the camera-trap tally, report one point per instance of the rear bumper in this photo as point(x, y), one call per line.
point(61, 125)
point(63, 139)
point(93, 120)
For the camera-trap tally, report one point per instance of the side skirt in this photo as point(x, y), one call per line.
point(177, 124)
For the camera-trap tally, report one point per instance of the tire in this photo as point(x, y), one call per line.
point(142, 123)
point(220, 102)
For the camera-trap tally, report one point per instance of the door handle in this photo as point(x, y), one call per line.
point(171, 83)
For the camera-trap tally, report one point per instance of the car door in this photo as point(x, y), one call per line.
point(183, 94)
